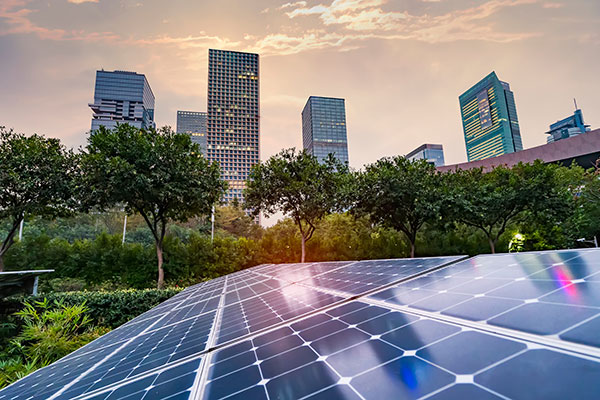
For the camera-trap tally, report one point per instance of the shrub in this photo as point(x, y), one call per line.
point(50, 331)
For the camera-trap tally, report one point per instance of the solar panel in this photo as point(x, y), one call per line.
point(363, 351)
point(554, 294)
point(496, 326)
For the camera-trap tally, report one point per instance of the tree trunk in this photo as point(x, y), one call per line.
point(303, 249)
point(161, 271)
point(412, 249)
point(1, 262)
point(492, 245)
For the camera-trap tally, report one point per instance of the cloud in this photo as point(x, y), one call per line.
point(290, 5)
point(82, 1)
point(553, 5)
point(342, 25)
point(368, 16)
point(16, 17)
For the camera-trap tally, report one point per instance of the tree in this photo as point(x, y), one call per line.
point(235, 221)
point(299, 186)
point(35, 179)
point(400, 194)
point(160, 175)
point(490, 201)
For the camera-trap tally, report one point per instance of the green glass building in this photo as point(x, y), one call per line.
point(489, 117)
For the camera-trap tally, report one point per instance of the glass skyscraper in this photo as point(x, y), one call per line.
point(567, 127)
point(122, 97)
point(324, 128)
point(194, 124)
point(489, 118)
point(233, 116)
point(432, 153)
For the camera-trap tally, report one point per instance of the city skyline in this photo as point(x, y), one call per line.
point(397, 65)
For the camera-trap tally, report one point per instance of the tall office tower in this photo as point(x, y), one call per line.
point(324, 128)
point(122, 97)
point(489, 118)
point(568, 127)
point(432, 153)
point(233, 118)
point(194, 124)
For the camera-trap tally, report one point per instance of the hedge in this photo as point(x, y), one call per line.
point(110, 309)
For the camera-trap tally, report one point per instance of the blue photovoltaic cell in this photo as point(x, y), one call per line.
point(295, 331)
point(174, 383)
point(546, 293)
point(364, 351)
point(271, 308)
point(152, 349)
point(363, 276)
point(299, 272)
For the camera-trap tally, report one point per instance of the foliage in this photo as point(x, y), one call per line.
point(298, 185)
point(50, 331)
point(160, 175)
point(400, 194)
point(35, 179)
point(490, 201)
point(233, 220)
point(104, 259)
point(110, 309)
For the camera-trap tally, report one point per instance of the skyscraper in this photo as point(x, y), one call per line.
point(567, 127)
point(122, 97)
point(324, 128)
point(489, 117)
point(233, 116)
point(432, 153)
point(194, 124)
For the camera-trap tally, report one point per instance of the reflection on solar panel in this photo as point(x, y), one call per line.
point(490, 327)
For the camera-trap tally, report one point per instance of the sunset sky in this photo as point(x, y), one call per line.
point(400, 64)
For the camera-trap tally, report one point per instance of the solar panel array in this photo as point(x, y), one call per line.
point(494, 326)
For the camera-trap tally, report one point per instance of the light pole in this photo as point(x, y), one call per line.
point(21, 229)
point(124, 228)
point(212, 225)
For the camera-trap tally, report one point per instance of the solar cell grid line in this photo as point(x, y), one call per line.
point(262, 312)
point(173, 382)
point(146, 353)
point(366, 276)
point(554, 295)
point(155, 367)
point(298, 272)
point(51, 381)
point(362, 351)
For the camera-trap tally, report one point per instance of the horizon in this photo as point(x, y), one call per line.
point(362, 51)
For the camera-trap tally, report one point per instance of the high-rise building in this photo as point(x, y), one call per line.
point(122, 97)
point(567, 127)
point(324, 128)
point(432, 153)
point(233, 116)
point(194, 124)
point(489, 118)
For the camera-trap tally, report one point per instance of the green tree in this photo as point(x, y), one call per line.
point(234, 220)
point(35, 179)
point(299, 186)
point(400, 194)
point(160, 175)
point(490, 201)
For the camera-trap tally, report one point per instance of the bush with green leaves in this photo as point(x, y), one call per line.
point(49, 331)
point(110, 309)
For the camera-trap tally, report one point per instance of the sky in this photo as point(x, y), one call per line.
point(400, 64)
